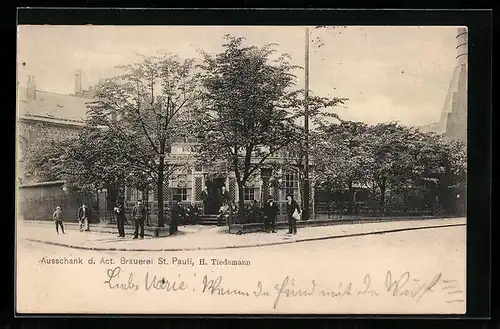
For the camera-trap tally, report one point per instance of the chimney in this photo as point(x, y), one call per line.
point(31, 88)
point(78, 82)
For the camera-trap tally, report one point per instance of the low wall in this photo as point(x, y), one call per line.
point(236, 228)
point(39, 201)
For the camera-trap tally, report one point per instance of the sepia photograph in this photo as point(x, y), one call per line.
point(241, 169)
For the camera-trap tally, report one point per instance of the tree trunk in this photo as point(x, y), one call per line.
point(112, 197)
point(302, 188)
point(161, 169)
point(97, 205)
point(241, 198)
point(145, 200)
point(382, 197)
point(350, 204)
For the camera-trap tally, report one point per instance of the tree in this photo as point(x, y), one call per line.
point(250, 105)
point(320, 114)
point(146, 108)
point(242, 119)
point(452, 179)
point(390, 158)
point(386, 157)
point(87, 162)
point(341, 155)
point(45, 159)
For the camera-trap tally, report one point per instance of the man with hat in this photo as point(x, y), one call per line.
point(120, 218)
point(58, 219)
point(270, 213)
point(139, 216)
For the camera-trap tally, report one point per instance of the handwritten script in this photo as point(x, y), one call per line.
point(397, 285)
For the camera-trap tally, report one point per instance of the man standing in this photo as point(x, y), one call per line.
point(224, 196)
point(83, 219)
point(270, 214)
point(139, 216)
point(58, 219)
point(293, 212)
point(120, 219)
point(206, 199)
point(175, 216)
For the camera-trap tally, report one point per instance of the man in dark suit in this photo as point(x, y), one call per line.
point(139, 216)
point(206, 200)
point(176, 215)
point(120, 219)
point(270, 213)
point(292, 207)
point(224, 196)
point(83, 217)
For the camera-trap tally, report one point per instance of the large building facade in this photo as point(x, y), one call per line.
point(42, 116)
point(187, 183)
point(47, 115)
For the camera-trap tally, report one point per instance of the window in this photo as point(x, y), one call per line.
point(291, 184)
point(248, 193)
point(179, 194)
point(128, 194)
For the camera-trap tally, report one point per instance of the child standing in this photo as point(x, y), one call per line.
point(58, 219)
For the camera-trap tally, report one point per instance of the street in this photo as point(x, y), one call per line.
point(420, 271)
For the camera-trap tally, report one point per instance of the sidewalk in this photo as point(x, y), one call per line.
point(197, 237)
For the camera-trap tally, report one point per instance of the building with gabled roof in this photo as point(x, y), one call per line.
point(42, 114)
point(48, 115)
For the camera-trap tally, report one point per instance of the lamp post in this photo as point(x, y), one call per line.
point(99, 190)
point(145, 199)
point(106, 206)
point(305, 215)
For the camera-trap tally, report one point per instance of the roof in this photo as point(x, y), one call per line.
point(51, 105)
point(57, 182)
point(435, 127)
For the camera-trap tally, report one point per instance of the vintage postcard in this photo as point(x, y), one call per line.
point(241, 169)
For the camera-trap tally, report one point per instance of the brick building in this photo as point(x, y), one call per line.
point(42, 114)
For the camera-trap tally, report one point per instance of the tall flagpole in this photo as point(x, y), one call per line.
point(305, 215)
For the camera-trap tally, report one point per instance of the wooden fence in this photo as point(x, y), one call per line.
point(39, 201)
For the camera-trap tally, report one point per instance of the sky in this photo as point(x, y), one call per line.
point(388, 73)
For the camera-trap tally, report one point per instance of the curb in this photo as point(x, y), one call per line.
point(265, 244)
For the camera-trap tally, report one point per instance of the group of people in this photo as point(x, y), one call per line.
point(139, 213)
point(267, 214)
point(83, 218)
point(209, 202)
point(270, 211)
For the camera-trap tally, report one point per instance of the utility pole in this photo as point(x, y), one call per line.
point(305, 214)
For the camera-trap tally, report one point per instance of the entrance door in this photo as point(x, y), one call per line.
point(214, 187)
